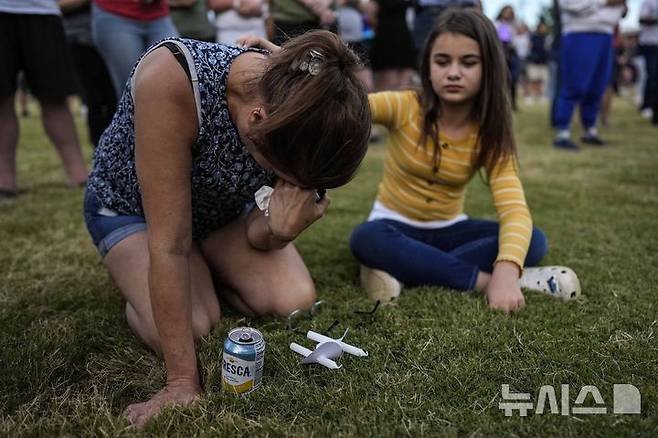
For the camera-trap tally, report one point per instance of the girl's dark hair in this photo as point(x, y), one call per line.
point(503, 10)
point(318, 125)
point(491, 108)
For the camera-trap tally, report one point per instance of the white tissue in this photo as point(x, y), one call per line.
point(263, 196)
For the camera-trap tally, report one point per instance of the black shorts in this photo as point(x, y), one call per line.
point(36, 45)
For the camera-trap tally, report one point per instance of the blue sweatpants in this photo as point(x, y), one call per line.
point(585, 68)
point(449, 257)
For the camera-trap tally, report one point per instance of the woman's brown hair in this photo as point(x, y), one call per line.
point(491, 109)
point(318, 121)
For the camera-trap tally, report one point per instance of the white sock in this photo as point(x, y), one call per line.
point(563, 134)
point(592, 131)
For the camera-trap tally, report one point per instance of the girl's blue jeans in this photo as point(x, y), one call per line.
point(449, 257)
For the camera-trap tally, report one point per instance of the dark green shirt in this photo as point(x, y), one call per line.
point(192, 22)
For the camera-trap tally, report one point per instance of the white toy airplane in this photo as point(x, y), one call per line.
point(326, 350)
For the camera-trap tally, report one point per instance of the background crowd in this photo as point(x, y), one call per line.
point(575, 56)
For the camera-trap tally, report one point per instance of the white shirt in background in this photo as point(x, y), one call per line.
point(231, 25)
point(589, 16)
point(649, 33)
point(39, 7)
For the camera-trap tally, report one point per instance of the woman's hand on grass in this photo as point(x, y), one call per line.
point(503, 291)
point(181, 393)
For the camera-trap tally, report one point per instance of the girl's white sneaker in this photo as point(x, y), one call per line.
point(557, 281)
point(379, 285)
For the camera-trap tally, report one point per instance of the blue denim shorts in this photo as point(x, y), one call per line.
point(106, 227)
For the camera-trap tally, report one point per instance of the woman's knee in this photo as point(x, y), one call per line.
point(538, 247)
point(288, 296)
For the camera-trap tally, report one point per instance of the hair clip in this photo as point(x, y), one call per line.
point(312, 63)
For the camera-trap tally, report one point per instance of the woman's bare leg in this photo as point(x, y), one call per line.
point(128, 263)
point(258, 282)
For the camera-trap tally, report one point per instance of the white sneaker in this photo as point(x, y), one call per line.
point(646, 113)
point(379, 285)
point(556, 281)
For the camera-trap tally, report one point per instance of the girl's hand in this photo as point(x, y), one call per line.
point(249, 40)
point(175, 393)
point(293, 209)
point(503, 291)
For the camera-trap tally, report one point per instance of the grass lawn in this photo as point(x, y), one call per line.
point(69, 364)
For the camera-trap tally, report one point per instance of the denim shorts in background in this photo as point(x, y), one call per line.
point(106, 227)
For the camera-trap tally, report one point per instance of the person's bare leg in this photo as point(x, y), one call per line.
point(128, 263)
point(259, 282)
point(60, 128)
point(8, 143)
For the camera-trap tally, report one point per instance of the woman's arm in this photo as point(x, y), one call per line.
point(290, 212)
point(165, 129)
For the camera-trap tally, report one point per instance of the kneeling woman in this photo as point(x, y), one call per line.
point(199, 129)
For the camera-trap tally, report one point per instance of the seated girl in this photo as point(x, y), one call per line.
point(440, 137)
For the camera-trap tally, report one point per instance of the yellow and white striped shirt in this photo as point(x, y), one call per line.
point(411, 187)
